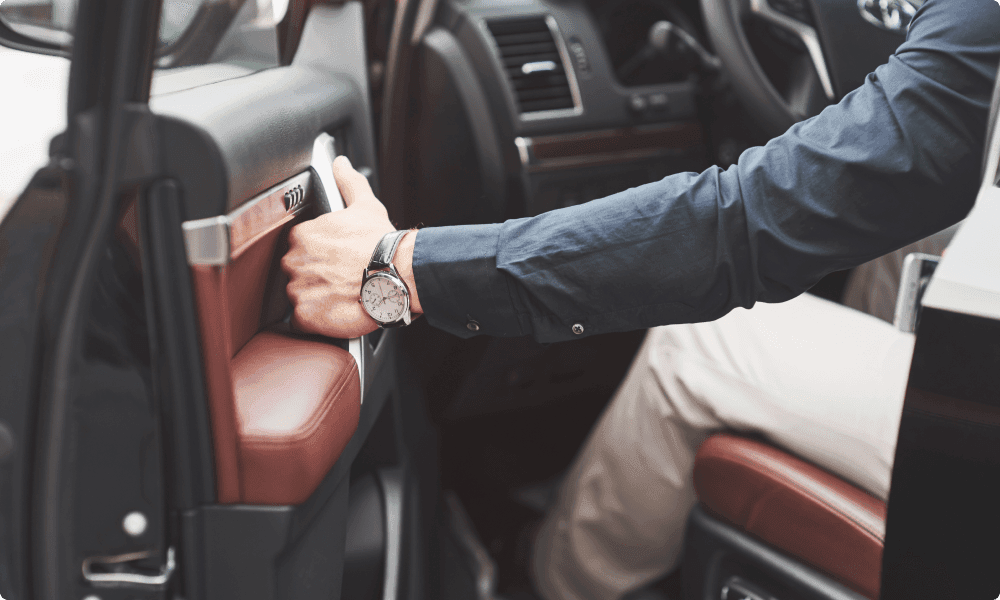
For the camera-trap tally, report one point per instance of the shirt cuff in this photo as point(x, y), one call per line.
point(460, 289)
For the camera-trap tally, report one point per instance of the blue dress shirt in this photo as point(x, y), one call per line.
point(896, 160)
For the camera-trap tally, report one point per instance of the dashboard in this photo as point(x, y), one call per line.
point(522, 107)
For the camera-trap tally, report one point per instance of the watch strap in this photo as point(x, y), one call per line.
point(386, 249)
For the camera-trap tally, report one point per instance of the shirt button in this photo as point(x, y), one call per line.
point(577, 329)
point(472, 325)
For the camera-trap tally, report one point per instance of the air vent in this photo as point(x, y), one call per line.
point(533, 64)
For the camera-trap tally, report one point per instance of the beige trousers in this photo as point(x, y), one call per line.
point(821, 380)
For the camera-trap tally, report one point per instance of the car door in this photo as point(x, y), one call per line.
point(165, 433)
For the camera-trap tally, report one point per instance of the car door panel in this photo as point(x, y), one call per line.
point(82, 414)
point(195, 404)
point(286, 411)
point(235, 274)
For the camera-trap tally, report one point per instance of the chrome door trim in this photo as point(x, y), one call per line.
point(120, 578)
point(217, 240)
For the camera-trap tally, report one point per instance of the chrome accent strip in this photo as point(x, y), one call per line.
point(524, 150)
point(360, 349)
point(127, 578)
point(392, 488)
point(327, 193)
point(207, 241)
point(461, 528)
point(215, 240)
point(915, 266)
point(805, 33)
point(538, 67)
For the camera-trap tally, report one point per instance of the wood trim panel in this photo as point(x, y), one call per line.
point(608, 146)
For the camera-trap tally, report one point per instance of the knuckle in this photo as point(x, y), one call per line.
point(292, 291)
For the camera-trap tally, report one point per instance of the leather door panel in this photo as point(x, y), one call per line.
point(211, 299)
point(283, 407)
point(297, 405)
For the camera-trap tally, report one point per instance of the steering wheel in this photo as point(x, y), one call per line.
point(829, 47)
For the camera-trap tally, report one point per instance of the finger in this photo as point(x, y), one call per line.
point(353, 185)
point(296, 322)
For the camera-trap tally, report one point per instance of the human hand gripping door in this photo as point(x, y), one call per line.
point(327, 257)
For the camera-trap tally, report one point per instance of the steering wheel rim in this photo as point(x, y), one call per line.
point(843, 42)
point(724, 21)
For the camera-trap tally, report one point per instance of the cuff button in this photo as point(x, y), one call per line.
point(577, 329)
point(472, 326)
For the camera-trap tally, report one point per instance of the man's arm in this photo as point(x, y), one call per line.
point(894, 161)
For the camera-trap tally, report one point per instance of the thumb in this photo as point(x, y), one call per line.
point(353, 186)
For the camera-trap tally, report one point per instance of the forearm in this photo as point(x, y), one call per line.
point(894, 162)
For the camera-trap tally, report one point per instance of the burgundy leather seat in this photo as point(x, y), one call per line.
point(796, 507)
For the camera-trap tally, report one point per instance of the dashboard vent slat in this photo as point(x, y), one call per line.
point(543, 85)
point(516, 62)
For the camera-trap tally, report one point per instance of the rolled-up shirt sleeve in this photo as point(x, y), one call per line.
point(896, 160)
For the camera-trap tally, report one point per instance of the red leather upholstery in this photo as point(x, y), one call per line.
point(282, 408)
point(297, 405)
point(795, 506)
point(212, 298)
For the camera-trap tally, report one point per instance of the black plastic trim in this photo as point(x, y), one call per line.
point(259, 130)
point(17, 41)
point(446, 48)
point(109, 78)
point(715, 552)
point(176, 356)
point(943, 523)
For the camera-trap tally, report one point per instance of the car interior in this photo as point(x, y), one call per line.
point(408, 463)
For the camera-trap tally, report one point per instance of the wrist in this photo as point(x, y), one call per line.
point(404, 266)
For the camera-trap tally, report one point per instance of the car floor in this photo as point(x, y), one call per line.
point(505, 471)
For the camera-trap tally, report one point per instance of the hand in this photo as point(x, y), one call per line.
point(327, 257)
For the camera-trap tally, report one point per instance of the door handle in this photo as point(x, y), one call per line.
point(121, 575)
point(328, 199)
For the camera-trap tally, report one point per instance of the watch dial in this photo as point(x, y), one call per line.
point(384, 299)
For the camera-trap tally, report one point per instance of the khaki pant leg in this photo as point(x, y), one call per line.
point(819, 379)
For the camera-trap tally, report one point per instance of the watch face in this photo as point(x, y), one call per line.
point(384, 298)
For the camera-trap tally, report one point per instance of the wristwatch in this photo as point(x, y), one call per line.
point(384, 294)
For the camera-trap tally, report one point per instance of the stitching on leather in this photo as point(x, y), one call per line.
point(756, 466)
